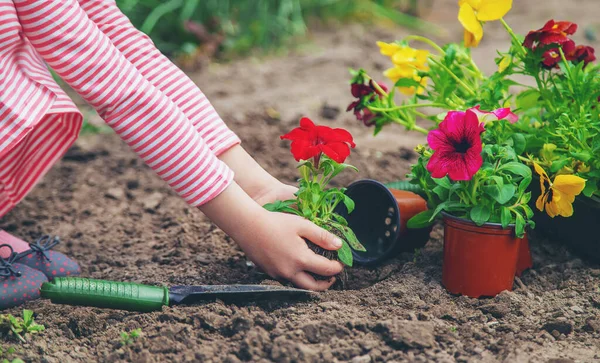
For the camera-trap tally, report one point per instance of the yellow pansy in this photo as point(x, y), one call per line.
point(407, 64)
point(557, 197)
point(411, 57)
point(408, 72)
point(473, 12)
point(389, 49)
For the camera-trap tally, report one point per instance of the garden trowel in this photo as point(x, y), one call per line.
point(143, 298)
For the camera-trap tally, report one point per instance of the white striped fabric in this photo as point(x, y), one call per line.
point(152, 105)
point(156, 68)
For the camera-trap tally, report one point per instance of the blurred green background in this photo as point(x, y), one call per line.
point(236, 27)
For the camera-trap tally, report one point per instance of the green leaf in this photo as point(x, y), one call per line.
point(441, 192)
point(527, 210)
point(443, 182)
point(516, 168)
point(505, 217)
point(502, 194)
point(481, 214)
point(345, 254)
point(27, 316)
point(421, 220)
point(559, 164)
point(407, 82)
point(519, 225)
point(524, 184)
point(528, 99)
point(583, 156)
point(349, 203)
point(352, 239)
point(519, 143)
point(590, 189)
point(282, 206)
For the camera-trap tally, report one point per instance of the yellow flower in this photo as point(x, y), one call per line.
point(407, 64)
point(406, 72)
point(557, 197)
point(411, 57)
point(389, 49)
point(504, 63)
point(473, 12)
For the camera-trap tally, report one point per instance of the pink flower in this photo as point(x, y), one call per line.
point(457, 146)
point(499, 114)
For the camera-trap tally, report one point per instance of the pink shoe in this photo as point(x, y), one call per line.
point(51, 263)
point(18, 283)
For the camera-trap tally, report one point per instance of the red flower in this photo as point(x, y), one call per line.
point(551, 33)
point(361, 91)
point(551, 58)
point(309, 141)
point(457, 146)
point(582, 53)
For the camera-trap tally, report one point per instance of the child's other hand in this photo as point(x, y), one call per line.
point(274, 241)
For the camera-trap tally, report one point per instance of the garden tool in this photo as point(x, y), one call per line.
point(144, 298)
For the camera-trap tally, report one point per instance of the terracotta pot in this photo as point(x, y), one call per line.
point(479, 260)
point(379, 220)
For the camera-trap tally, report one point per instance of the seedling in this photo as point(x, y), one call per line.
point(20, 327)
point(129, 338)
point(4, 356)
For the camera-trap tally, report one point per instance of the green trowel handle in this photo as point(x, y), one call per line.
point(105, 294)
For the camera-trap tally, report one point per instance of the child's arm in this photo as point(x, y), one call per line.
point(163, 137)
point(138, 49)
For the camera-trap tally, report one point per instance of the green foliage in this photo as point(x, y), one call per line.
point(317, 203)
point(6, 356)
point(497, 193)
point(245, 24)
point(129, 338)
point(20, 327)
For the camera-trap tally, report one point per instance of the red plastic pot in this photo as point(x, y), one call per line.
point(479, 260)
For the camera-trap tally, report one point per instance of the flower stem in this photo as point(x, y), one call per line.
point(513, 36)
point(403, 107)
point(427, 41)
point(456, 78)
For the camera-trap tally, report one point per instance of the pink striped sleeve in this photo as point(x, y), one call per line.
point(164, 75)
point(150, 123)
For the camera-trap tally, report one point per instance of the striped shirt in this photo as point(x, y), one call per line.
point(151, 104)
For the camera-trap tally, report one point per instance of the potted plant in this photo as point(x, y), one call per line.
point(321, 151)
point(555, 125)
point(480, 192)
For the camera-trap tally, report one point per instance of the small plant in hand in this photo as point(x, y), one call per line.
point(321, 151)
point(129, 338)
point(20, 328)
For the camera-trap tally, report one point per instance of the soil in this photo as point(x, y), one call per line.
point(121, 222)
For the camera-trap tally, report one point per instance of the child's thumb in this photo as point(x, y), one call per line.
point(320, 236)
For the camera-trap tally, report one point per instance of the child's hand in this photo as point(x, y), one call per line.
point(273, 192)
point(274, 241)
point(278, 248)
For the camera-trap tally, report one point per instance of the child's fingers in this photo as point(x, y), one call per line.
point(322, 265)
point(305, 281)
point(320, 237)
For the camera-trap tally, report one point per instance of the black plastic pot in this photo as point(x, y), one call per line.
point(578, 232)
point(379, 221)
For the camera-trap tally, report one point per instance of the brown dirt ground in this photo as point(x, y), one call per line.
point(121, 222)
